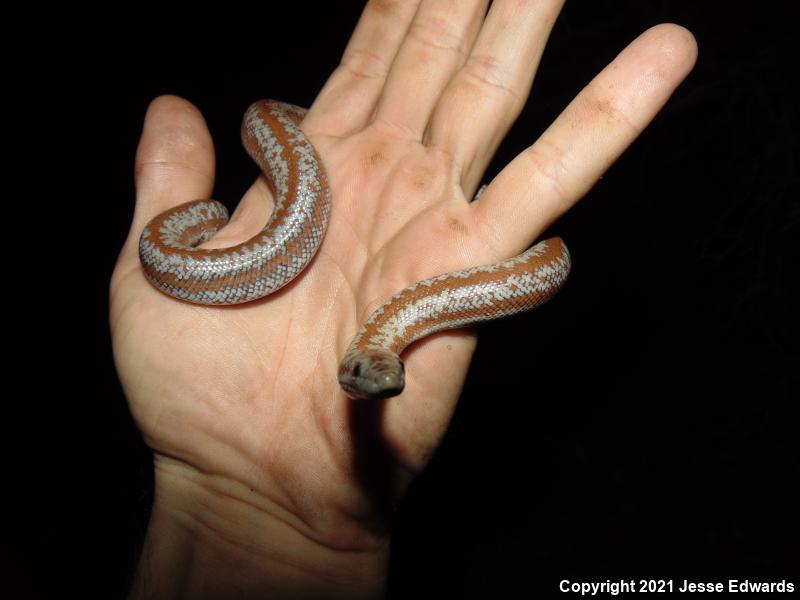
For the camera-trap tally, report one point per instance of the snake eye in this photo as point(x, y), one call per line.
point(357, 370)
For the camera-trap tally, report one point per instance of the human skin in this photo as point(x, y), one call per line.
point(269, 481)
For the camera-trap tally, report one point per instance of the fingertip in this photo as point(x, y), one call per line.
point(174, 125)
point(168, 104)
point(675, 47)
point(175, 150)
point(646, 73)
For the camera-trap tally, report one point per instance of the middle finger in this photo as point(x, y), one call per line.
point(484, 99)
point(436, 45)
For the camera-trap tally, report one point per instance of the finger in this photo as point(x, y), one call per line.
point(437, 44)
point(174, 162)
point(607, 115)
point(484, 99)
point(348, 98)
point(175, 158)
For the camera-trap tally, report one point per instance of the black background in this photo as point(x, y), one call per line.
point(642, 425)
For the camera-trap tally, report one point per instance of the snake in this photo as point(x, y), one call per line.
point(371, 367)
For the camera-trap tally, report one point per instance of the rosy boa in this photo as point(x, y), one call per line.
point(371, 367)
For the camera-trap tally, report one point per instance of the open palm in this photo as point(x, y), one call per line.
point(241, 404)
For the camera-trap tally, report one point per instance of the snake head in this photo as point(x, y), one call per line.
point(372, 374)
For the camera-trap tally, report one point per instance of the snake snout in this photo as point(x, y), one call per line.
point(372, 374)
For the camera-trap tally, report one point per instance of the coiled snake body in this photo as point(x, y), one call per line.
point(371, 367)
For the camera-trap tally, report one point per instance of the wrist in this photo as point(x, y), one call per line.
point(208, 540)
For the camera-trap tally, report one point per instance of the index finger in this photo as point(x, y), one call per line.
point(550, 176)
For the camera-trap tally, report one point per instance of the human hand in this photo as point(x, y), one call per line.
point(266, 475)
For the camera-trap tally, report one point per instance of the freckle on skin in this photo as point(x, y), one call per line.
point(375, 159)
point(385, 6)
point(603, 106)
point(423, 177)
point(420, 183)
point(594, 109)
point(456, 225)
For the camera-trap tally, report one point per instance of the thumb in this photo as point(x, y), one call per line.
point(174, 163)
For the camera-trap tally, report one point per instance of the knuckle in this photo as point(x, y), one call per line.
point(548, 168)
point(364, 64)
point(488, 72)
point(437, 33)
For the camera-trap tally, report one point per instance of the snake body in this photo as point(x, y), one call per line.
point(371, 367)
point(272, 258)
